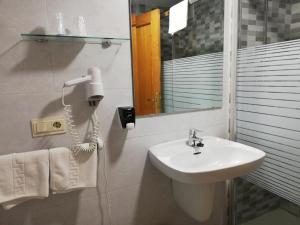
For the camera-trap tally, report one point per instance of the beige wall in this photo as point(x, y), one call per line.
point(31, 77)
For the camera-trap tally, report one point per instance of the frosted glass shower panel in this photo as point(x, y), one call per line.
point(268, 113)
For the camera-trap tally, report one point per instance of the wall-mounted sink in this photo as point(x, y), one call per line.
point(195, 170)
point(219, 160)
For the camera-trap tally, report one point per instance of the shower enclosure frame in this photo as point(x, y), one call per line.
point(234, 43)
point(232, 10)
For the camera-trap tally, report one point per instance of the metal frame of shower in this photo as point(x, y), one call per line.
point(232, 12)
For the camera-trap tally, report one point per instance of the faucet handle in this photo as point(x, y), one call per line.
point(193, 132)
point(194, 138)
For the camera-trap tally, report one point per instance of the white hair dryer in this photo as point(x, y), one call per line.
point(93, 85)
point(94, 94)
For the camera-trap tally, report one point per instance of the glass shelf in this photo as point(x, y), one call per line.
point(69, 38)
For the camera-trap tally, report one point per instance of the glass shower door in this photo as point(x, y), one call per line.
point(268, 111)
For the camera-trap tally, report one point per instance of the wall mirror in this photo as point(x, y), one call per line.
point(177, 55)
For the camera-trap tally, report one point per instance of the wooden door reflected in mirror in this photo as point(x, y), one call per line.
point(146, 60)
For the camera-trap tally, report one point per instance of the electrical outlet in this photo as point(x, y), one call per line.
point(48, 126)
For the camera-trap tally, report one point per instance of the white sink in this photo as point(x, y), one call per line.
point(219, 160)
point(195, 176)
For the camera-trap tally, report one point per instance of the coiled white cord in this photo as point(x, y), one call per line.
point(77, 146)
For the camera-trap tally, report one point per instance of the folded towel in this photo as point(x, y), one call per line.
point(70, 172)
point(23, 176)
point(178, 17)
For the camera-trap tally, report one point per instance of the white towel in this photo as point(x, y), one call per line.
point(69, 172)
point(178, 16)
point(23, 176)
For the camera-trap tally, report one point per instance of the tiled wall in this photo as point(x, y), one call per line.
point(268, 21)
point(31, 77)
point(203, 34)
point(252, 201)
point(295, 19)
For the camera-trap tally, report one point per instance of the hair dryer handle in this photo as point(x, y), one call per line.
point(77, 81)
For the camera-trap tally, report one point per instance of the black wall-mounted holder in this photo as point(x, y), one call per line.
point(127, 117)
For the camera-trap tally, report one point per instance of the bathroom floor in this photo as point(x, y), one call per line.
point(275, 217)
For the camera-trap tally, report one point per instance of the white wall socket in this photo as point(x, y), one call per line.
point(48, 126)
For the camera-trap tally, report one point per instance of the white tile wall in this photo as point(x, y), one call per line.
point(31, 76)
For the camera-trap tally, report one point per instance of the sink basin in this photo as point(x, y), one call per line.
point(196, 172)
point(219, 160)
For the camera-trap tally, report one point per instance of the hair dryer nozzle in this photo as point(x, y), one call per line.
point(94, 88)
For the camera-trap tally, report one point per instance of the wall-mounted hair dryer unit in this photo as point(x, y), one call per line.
point(127, 117)
point(93, 85)
point(94, 94)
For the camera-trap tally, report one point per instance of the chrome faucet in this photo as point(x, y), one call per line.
point(194, 139)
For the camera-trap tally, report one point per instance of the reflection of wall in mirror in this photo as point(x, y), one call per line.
point(203, 35)
point(192, 62)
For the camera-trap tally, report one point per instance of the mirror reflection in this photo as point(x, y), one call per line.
point(177, 55)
